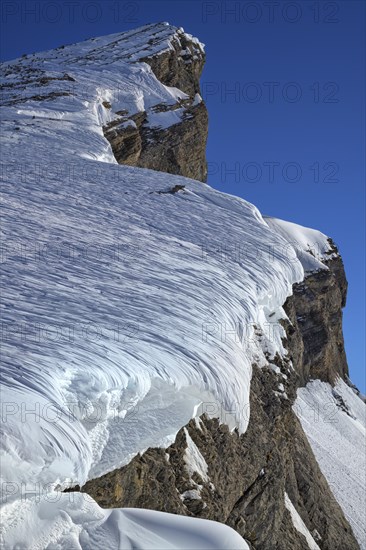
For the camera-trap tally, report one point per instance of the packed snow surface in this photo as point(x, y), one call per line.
point(309, 246)
point(126, 311)
point(334, 420)
point(73, 521)
point(195, 463)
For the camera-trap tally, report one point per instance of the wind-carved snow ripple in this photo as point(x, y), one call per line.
point(113, 347)
point(125, 333)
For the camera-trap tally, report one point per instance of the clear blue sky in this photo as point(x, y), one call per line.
point(284, 83)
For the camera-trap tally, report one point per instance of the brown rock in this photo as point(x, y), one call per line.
point(180, 148)
point(316, 337)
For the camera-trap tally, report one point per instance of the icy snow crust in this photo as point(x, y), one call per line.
point(337, 436)
point(126, 311)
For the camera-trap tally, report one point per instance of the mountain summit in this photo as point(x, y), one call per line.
point(165, 346)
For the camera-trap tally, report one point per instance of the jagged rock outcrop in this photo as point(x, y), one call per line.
point(248, 475)
point(180, 66)
point(167, 134)
point(178, 148)
point(316, 336)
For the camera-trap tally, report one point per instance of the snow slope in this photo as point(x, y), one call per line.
point(126, 309)
point(334, 420)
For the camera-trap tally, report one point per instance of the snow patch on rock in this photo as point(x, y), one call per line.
point(299, 524)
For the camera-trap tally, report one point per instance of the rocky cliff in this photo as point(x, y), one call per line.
point(178, 148)
point(249, 478)
point(140, 91)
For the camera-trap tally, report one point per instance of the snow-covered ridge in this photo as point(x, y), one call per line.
point(127, 309)
point(84, 87)
point(131, 46)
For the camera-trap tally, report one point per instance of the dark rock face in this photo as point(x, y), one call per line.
point(124, 137)
point(316, 337)
point(178, 149)
point(181, 148)
point(181, 66)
